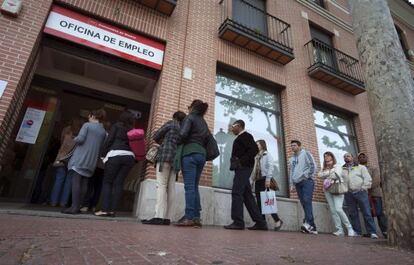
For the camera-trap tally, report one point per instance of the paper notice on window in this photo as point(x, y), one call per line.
point(30, 127)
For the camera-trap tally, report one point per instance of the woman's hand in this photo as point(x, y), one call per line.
point(267, 184)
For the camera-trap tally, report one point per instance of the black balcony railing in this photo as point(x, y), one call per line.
point(346, 71)
point(255, 29)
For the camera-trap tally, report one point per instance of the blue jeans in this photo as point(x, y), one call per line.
point(67, 189)
point(305, 193)
point(192, 166)
point(60, 176)
point(382, 220)
point(355, 199)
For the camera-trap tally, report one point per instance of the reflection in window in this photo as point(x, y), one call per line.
point(335, 134)
point(259, 110)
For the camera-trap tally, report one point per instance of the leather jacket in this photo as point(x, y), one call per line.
point(194, 129)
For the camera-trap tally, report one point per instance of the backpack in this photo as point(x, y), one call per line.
point(136, 138)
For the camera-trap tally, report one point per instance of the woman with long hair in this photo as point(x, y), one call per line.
point(261, 175)
point(191, 158)
point(331, 171)
point(119, 159)
point(83, 162)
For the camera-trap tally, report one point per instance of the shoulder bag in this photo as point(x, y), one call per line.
point(337, 186)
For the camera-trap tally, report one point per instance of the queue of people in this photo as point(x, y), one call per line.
point(183, 146)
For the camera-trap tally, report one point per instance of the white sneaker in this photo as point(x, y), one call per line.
point(305, 228)
point(374, 236)
point(351, 232)
point(313, 231)
point(338, 233)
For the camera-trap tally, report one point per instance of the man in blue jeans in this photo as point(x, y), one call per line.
point(302, 170)
point(359, 181)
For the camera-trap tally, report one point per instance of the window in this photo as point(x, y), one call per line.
point(260, 111)
point(334, 133)
point(251, 14)
point(319, 3)
point(402, 41)
point(323, 49)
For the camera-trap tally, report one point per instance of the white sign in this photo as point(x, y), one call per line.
point(3, 85)
point(75, 27)
point(30, 127)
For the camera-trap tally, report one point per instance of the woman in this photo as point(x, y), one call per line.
point(332, 171)
point(82, 164)
point(167, 136)
point(59, 195)
point(119, 159)
point(262, 173)
point(190, 158)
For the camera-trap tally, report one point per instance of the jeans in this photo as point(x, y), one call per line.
point(241, 193)
point(355, 199)
point(67, 189)
point(259, 186)
point(382, 220)
point(94, 189)
point(192, 166)
point(79, 188)
point(60, 176)
point(116, 170)
point(339, 217)
point(305, 193)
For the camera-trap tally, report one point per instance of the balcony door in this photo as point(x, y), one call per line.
point(323, 48)
point(251, 14)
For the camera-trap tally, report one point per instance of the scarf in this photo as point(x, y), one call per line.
point(256, 173)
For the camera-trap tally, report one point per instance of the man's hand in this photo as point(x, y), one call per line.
point(267, 184)
point(292, 188)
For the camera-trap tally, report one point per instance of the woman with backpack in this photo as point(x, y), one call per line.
point(261, 175)
point(119, 159)
point(191, 158)
point(167, 137)
point(82, 164)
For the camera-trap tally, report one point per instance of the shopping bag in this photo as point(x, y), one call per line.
point(268, 201)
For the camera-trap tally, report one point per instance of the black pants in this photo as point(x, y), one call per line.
point(94, 189)
point(79, 188)
point(242, 193)
point(116, 170)
point(258, 187)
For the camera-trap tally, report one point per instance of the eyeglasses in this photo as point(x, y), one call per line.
point(234, 125)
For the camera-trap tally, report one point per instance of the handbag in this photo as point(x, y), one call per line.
point(152, 153)
point(212, 149)
point(273, 184)
point(337, 186)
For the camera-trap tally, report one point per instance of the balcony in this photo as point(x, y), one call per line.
point(165, 7)
point(334, 67)
point(252, 28)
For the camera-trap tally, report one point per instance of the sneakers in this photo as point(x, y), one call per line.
point(338, 233)
point(308, 229)
point(374, 236)
point(351, 232)
point(313, 230)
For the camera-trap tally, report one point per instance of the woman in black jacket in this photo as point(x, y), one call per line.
point(119, 159)
point(192, 158)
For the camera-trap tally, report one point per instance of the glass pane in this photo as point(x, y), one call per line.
point(246, 93)
point(333, 122)
point(335, 143)
point(263, 126)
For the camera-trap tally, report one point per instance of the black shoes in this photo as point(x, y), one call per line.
point(70, 210)
point(156, 221)
point(234, 226)
point(277, 228)
point(258, 227)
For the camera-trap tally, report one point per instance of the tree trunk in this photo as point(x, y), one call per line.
point(390, 89)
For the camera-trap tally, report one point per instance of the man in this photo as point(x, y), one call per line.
point(242, 162)
point(375, 193)
point(302, 170)
point(359, 181)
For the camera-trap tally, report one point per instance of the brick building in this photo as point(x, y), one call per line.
point(289, 68)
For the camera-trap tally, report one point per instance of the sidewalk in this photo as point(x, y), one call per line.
point(51, 240)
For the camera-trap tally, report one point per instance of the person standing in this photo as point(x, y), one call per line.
point(82, 164)
point(332, 171)
point(242, 162)
point(262, 173)
point(119, 159)
point(301, 177)
point(167, 137)
point(190, 159)
point(375, 193)
point(359, 181)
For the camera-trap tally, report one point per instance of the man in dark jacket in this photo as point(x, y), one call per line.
point(242, 162)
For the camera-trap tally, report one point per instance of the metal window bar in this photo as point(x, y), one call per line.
point(274, 30)
point(328, 57)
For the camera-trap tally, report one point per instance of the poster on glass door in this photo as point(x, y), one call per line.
point(30, 127)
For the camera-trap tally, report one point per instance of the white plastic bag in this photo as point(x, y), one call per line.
point(268, 201)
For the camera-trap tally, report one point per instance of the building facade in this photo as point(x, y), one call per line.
point(288, 68)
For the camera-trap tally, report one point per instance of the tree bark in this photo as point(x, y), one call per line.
point(390, 89)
